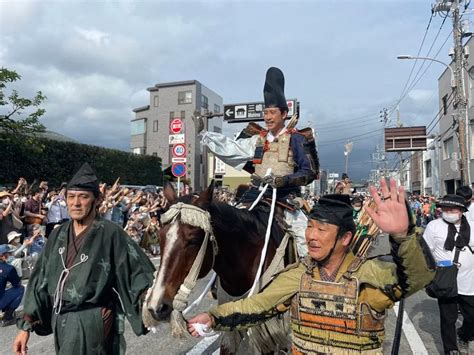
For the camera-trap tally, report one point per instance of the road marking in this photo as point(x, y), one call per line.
point(416, 344)
point(203, 345)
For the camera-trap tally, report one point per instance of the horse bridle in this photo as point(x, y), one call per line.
point(196, 217)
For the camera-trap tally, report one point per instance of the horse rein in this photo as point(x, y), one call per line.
point(196, 217)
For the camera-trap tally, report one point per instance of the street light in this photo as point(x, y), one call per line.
point(453, 81)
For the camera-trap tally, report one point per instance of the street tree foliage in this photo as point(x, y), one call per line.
point(19, 116)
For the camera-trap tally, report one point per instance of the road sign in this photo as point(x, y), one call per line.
point(178, 169)
point(178, 160)
point(252, 111)
point(220, 166)
point(176, 139)
point(176, 125)
point(179, 150)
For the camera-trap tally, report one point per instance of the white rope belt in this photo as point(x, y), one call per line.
point(58, 294)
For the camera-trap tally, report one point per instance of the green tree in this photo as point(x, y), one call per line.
point(19, 116)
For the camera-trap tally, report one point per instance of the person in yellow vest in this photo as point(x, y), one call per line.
point(337, 301)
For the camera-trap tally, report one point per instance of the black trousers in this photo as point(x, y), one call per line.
point(448, 313)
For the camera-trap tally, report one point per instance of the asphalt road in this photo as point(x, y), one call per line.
point(420, 336)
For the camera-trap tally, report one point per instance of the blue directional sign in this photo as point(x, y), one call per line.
point(178, 169)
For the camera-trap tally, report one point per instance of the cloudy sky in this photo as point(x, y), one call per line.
point(94, 60)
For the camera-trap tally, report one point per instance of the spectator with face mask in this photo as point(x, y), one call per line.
point(9, 219)
point(446, 236)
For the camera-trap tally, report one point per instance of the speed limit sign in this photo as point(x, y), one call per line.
point(179, 150)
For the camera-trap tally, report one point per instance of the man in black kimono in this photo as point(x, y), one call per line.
point(89, 277)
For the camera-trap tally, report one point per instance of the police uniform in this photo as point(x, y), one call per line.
point(9, 299)
point(290, 156)
point(343, 316)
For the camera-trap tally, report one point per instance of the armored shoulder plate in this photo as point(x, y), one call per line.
point(307, 133)
point(251, 130)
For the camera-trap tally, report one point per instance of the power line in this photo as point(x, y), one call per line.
point(417, 77)
point(418, 54)
point(351, 138)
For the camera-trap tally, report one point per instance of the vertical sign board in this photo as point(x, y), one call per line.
point(177, 139)
point(219, 167)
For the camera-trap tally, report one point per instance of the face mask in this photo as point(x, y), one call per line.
point(16, 199)
point(450, 217)
point(24, 199)
point(6, 201)
point(357, 209)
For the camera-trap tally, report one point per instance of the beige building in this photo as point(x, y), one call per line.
point(225, 175)
point(150, 128)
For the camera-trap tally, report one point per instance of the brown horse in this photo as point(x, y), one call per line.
point(239, 234)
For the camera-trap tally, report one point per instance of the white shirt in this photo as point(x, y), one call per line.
point(435, 235)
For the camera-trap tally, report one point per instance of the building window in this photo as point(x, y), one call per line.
point(204, 101)
point(448, 148)
point(183, 115)
point(445, 104)
point(139, 126)
point(217, 108)
point(156, 101)
point(428, 168)
point(155, 126)
point(185, 97)
point(171, 115)
point(138, 150)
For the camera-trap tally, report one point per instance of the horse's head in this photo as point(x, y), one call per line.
point(183, 232)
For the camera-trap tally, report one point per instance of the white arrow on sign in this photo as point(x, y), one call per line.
point(229, 112)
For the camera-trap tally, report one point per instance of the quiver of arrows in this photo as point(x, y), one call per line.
point(366, 231)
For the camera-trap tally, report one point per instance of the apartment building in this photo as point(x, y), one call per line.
point(150, 130)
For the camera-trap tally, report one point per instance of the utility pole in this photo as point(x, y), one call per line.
point(400, 158)
point(460, 101)
point(459, 98)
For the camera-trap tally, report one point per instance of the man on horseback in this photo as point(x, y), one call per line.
point(337, 301)
point(282, 157)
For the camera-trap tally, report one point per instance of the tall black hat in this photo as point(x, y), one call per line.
point(274, 89)
point(85, 180)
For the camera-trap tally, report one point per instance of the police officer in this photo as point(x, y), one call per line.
point(9, 299)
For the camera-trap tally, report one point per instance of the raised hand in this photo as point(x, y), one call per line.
point(390, 214)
